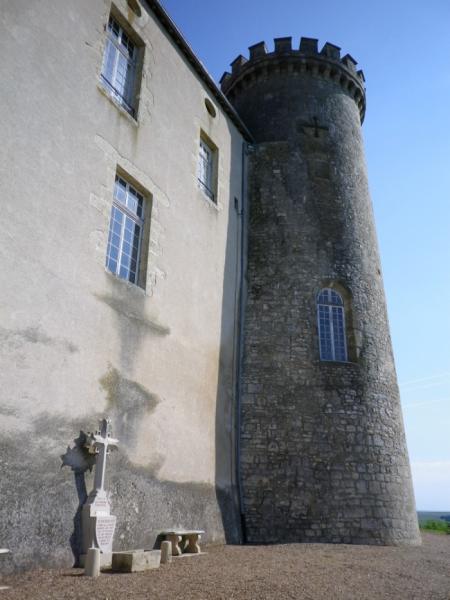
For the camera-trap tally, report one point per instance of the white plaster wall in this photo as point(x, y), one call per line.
point(66, 323)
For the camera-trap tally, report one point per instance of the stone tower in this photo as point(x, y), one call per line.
point(323, 454)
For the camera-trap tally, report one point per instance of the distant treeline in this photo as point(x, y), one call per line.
point(438, 522)
point(436, 526)
point(424, 516)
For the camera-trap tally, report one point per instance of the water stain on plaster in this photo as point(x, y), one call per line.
point(140, 320)
point(9, 411)
point(124, 393)
point(128, 402)
point(34, 335)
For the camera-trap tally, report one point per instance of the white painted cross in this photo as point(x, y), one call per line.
point(99, 443)
point(97, 522)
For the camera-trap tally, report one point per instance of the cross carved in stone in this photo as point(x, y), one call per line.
point(318, 128)
point(313, 129)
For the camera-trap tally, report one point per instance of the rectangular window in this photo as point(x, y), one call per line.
point(125, 231)
point(331, 322)
point(120, 63)
point(207, 159)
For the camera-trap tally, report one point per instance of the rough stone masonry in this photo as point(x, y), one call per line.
point(323, 453)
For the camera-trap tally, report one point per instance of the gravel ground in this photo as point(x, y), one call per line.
point(300, 571)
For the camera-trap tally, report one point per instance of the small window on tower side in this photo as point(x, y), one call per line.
point(122, 65)
point(331, 324)
point(207, 168)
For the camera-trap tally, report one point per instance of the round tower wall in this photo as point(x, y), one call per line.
point(267, 103)
point(323, 451)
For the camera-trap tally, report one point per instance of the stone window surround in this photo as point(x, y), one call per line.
point(140, 46)
point(209, 188)
point(331, 326)
point(145, 223)
point(353, 335)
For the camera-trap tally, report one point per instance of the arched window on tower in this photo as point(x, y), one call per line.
point(331, 323)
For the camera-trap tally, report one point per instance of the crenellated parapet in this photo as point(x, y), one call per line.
point(325, 63)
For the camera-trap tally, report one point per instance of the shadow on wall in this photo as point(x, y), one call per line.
point(79, 460)
point(128, 402)
point(227, 418)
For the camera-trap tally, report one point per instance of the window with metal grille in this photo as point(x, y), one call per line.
point(119, 66)
point(331, 323)
point(125, 231)
point(206, 169)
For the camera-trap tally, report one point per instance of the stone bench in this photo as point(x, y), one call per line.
point(183, 541)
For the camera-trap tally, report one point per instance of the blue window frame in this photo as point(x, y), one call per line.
point(125, 231)
point(331, 324)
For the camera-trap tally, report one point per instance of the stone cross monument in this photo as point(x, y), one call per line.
point(97, 522)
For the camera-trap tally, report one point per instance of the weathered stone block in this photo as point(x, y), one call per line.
point(92, 568)
point(135, 560)
point(166, 552)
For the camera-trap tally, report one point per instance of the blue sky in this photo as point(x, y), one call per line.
point(404, 49)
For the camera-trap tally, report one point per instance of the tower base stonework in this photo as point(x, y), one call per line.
point(323, 451)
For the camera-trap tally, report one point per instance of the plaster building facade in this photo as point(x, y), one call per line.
point(201, 266)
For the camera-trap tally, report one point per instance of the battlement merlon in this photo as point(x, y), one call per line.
point(324, 63)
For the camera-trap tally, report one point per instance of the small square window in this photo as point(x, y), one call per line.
point(121, 66)
point(128, 233)
point(207, 168)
